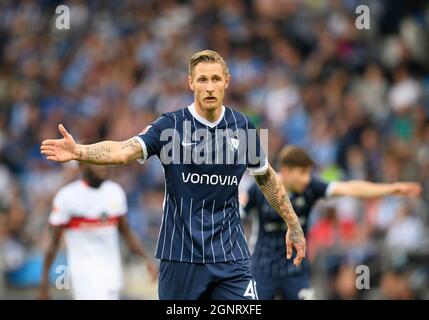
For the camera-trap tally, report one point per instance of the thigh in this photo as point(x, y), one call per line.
point(85, 287)
point(182, 281)
point(267, 287)
point(235, 281)
point(297, 287)
point(88, 292)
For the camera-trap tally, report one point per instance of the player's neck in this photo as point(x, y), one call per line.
point(209, 115)
point(92, 183)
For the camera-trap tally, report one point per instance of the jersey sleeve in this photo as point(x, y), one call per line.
point(320, 188)
point(60, 214)
point(121, 205)
point(150, 137)
point(256, 157)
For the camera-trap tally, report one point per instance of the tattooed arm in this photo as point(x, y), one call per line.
point(106, 152)
point(277, 197)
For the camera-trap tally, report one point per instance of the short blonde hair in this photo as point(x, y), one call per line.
point(209, 56)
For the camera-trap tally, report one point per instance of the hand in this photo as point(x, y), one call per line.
point(153, 271)
point(60, 150)
point(410, 189)
point(295, 238)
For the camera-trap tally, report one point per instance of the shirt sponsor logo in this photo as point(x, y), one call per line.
point(215, 179)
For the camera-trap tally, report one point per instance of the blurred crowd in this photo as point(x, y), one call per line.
point(357, 100)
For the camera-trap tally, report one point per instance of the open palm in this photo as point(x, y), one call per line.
point(60, 150)
point(410, 189)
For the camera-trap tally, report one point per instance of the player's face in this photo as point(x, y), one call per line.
point(208, 81)
point(296, 178)
point(94, 174)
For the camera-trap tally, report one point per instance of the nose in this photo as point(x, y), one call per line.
point(209, 87)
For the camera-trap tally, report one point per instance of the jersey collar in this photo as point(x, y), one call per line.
point(200, 119)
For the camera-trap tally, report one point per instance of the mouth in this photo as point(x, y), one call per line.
point(210, 99)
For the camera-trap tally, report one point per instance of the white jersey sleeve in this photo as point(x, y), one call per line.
point(60, 213)
point(121, 200)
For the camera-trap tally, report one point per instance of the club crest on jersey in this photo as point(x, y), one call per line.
point(145, 130)
point(103, 217)
point(233, 144)
point(299, 201)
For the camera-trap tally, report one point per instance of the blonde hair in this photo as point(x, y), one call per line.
point(209, 56)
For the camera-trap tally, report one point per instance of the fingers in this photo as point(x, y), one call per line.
point(63, 130)
point(47, 150)
point(417, 189)
point(289, 247)
point(411, 189)
point(153, 272)
point(50, 142)
point(48, 153)
point(300, 254)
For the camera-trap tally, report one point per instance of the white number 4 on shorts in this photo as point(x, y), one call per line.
point(251, 290)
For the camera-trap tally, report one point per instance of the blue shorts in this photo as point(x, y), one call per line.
point(211, 281)
point(293, 286)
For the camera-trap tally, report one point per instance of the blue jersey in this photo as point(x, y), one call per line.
point(201, 221)
point(269, 256)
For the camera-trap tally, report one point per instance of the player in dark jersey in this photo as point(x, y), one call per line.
point(205, 148)
point(273, 273)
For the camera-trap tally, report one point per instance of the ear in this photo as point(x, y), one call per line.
point(284, 171)
point(227, 79)
point(190, 83)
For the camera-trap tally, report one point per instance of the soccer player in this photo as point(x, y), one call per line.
point(91, 213)
point(273, 273)
point(201, 245)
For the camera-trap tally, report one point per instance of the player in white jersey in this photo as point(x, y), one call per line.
point(91, 213)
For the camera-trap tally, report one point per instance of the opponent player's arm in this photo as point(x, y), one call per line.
point(365, 189)
point(276, 195)
point(49, 258)
point(135, 245)
point(102, 153)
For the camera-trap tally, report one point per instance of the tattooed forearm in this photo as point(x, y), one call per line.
point(275, 194)
point(277, 197)
point(101, 153)
point(110, 152)
point(130, 144)
point(106, 152)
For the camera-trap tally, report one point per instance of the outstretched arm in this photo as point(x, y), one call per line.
point(106, 152)
point(274, 191)
point(365, 189)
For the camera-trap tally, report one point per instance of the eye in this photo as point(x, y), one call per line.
point(202, 79)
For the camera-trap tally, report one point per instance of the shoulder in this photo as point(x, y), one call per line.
point(68, 191)
point(165, 120)
point(177, 115)
point(113, 187)
point(242, 121)
point(71, 187)
point(318, 186)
